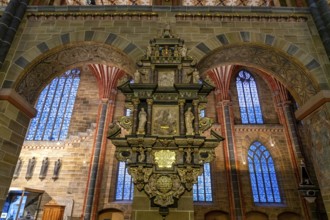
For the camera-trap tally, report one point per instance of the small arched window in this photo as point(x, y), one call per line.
point(202, 190)
point(262, 175)
point(248, 98)
point(54, 106)
point(125, 186)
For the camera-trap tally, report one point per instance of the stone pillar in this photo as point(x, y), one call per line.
point(9, 24)
point(149, 112)
point(101, 126)
point(196, 115)
point(320, 12)
point(15, 115)
point(237, 211)
point(317, 127)
point(135, 115)
point(181, 116)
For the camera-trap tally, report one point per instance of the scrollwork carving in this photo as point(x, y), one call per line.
point(126, 122)
point(164, 188)
point(189, 176)
point(140, 176)
point(205, 123)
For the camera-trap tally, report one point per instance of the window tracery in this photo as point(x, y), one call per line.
point(248, 98)
point(262, 175)
point(55, 105)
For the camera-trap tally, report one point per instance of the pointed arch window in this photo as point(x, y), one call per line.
point(202, 190)
point(262, 175)
point(248, 98)
point(54, 106)
point(125, 187)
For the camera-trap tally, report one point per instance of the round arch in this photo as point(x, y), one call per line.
point(298, 71)
point(57, 60)
point(293, 76)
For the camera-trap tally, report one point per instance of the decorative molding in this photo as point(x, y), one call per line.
point(18, 101)
point(237, 17)
point(313, 104)
point(92, 15)
point(259, 128)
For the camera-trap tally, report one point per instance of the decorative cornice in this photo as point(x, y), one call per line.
point(92, 15)
point(18, 101)
point(240, 17)
point(259, 128)
point(313, 104)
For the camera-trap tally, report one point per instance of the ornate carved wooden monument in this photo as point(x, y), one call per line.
point(165, 149)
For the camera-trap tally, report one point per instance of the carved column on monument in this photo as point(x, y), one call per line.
point(196, 115)
point(181, 116)
point(135, 114)
point(149, 115)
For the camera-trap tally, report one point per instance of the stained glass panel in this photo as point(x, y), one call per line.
point(202, 190)
point(55, 105)
point(248, 98)
point(125, 187)
point(262, 175)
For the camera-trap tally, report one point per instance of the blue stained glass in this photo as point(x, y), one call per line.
point(53, 108)
point(262, 175)
point(69, 109)
point(202, 190)
point(124, 188)
point(35, 121)
point(248, 98)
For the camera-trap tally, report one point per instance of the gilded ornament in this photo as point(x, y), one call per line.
point(164, 158)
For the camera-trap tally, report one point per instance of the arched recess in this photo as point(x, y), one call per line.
point(54, 62)
point(217, 215)
point(113, 214)
point(291, 74)
point(254, 215)
point(288, 216)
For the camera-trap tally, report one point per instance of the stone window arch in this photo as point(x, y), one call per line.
point(248, 98)
point(262, 175)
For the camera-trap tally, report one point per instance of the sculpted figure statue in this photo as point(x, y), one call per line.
point(184, 51)
point(142, 155)
point(44, 168)
point(149, 51)
point(57, 167)
point(29, 171)
point(142, 121)
point(18, 168)
point(137, 76)
point(195, 76)
point(189, 117)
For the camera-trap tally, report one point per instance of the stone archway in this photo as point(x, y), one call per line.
point(290, 73)
point(56, 61)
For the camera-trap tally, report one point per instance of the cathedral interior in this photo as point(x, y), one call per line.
point(164, 109)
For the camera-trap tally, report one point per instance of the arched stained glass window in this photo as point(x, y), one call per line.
point(125, 187)
point(55, 105)
point(262, 174)
point(248, 98)
point(202, 190)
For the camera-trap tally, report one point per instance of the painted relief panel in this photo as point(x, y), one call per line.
point(166, 78)
point(165, 120)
